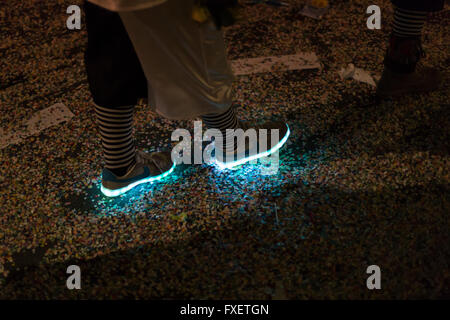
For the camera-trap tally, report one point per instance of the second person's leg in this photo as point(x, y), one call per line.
point(187, 69)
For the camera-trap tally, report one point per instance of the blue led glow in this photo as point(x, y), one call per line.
point(229, 165)
point(117, 192)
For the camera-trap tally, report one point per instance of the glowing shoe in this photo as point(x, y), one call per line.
point(258, 149)
point(423, 79)
point(148, 168)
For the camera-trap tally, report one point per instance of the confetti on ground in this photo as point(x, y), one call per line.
point(41, 120)
point(275, 64)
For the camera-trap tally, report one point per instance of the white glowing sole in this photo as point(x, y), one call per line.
point(229, 165)
point(117, 192)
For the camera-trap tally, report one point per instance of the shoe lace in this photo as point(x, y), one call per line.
point(143, 157)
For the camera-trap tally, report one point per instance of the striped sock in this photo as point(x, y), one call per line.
point(116, 131)
point(408, 23)
point(223, 121)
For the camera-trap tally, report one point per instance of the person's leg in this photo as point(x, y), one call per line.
point(116, 81)
point(408, 23)
point(402, 74)
point(186, 65)
point(109, 51)
point(115, 126)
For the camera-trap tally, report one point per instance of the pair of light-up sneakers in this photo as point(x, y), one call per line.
point(150, 167)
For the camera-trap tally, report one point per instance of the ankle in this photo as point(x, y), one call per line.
point(403, 54)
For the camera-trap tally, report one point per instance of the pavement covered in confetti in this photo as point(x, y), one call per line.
point(360, 182)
